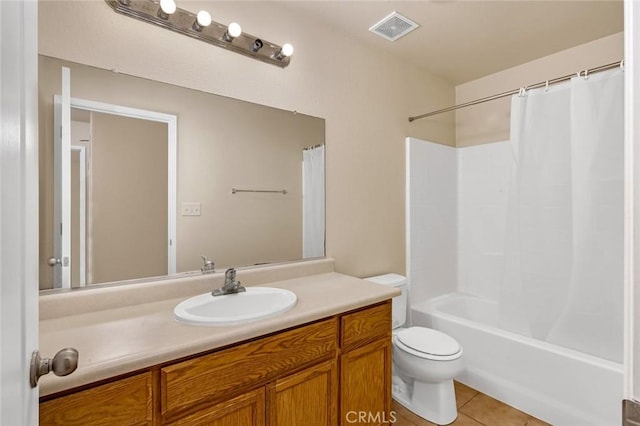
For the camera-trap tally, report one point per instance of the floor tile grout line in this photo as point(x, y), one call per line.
point(469, 400)
point(474, 419)
point(469, 415)
point(481, 422)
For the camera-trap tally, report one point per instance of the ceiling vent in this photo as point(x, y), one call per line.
point(394, 26)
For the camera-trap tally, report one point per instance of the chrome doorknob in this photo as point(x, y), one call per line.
point(53, 261)
point(63, 363)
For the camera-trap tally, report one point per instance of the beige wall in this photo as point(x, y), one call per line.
point(127, 229)
point(489, 122)
point(365, 97)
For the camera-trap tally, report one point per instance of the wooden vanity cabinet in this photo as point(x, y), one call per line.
point(314, 374)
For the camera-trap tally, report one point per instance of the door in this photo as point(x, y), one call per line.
point(18, 210)
point(308, 398)
point(364, 394)
point(128, 152)
point(61, 259)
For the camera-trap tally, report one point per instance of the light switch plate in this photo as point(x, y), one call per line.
point(191, 209)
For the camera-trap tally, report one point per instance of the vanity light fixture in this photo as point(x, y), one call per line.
point(200, 26)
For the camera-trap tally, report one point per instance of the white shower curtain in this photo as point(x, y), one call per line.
point(313, 202)
point(563, 271)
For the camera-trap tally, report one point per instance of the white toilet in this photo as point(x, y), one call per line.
point(425, 361)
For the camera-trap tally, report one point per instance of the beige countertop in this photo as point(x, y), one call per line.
point(123, 339)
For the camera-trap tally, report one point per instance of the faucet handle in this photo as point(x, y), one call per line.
point(230, 279)
point(230, 286)
point(208, 264)
point(230, 274)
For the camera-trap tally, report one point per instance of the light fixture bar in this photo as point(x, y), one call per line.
point(181, 21)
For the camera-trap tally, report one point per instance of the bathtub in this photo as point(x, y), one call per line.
point(560, 386)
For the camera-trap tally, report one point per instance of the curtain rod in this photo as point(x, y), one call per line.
point(545, 83)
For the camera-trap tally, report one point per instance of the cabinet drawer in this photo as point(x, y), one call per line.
point(366, 326)
point(228, 372)
point(125, 402)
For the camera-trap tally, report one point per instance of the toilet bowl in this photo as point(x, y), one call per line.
point(425, 362)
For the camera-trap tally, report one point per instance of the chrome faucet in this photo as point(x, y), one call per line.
point(230, 286)
point(208, 265)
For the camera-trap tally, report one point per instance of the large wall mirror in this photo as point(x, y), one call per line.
point(248, 185)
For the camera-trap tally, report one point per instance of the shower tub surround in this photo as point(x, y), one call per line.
point(457, 206)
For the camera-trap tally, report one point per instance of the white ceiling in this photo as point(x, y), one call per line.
point(465, 40)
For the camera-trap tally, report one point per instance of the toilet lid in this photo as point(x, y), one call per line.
point(428, 341)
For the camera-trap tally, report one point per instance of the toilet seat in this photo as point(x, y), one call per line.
point(427, 343)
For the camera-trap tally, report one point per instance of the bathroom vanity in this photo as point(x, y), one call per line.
point(328, 356)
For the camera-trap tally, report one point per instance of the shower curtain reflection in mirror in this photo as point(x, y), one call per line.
point(313, 233)
point(563, 271)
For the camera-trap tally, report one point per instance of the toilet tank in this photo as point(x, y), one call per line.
point(398, 303)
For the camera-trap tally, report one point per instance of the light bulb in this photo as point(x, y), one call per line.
point(203, 18)
point(287, 49)
point(234, 29)
point(168, 6)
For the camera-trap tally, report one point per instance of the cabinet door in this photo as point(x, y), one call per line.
point(306, 398)
point(245, 410)
point(365, 384)
point(123, 402)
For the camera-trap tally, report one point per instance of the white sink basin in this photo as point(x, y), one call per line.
point(254, 304)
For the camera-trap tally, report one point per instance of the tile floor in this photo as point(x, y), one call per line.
point(474, 409)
